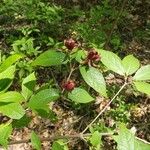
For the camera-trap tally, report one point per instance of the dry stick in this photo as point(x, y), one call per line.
point(105, 108)
point(55, 137)
point(142, 140)
point(71, 71)
point(115, 23)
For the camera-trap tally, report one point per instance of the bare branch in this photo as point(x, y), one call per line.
point(105, 108)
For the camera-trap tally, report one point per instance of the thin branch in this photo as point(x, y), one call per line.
point(71, 71)
point(142, 140)
point(55, 137)
point(105, 108)
point(115, 23)
point(78, 136)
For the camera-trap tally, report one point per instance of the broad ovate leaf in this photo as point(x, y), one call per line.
point(49, 58)
point(48, 114)
point(143, 87)
point(11, 97)
point(8, 73)
point(143, 73)
point(12, 110)
point(80, 95)
point(130, 64)
point(5, 84)
point(124, 139)
point(35, 141)
point(42, 98)
point(112, 62)
point(127, 141)
point(6, 78)
point(5, 132)
point(28, 85)
point(94, 79)
point(139, 145)
point(9, 61)
point(22, 122)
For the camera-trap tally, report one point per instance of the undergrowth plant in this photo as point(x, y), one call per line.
point(91, 65)
point(37, 70)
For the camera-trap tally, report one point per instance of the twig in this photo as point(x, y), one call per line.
point(71, 71)
point(105, 108)
point(55, 137)
point(115, 23)
point(142, 140)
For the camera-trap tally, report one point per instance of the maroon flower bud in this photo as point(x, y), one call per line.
point(96, 58)
point(69, 85)
point(93, 56)
point(70, 43)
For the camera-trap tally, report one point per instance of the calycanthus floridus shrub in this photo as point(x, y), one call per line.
point(91, 65)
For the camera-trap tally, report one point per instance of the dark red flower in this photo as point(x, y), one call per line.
point(93, 56)
point(70, 43)
point(69, 85)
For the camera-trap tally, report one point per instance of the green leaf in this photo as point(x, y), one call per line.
point(127, 141)
point(94, 79)
point(79, 95)
point(112, 62)
point(47, 114)
point(42, 98)
point(22, 122)
point(80, 55)
point(5, 132)
point(28, 85)
point(130, 64)
point(12, 110)
point(9, 61)
point(8, 73)
point(49, 58)
point(139, 145)
point(59, 145)
point(6, 78)
point(35, 141)
point(95, 139)
point(4, 84)
point(11, 96)
point(143, 87)
point(143, 73)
